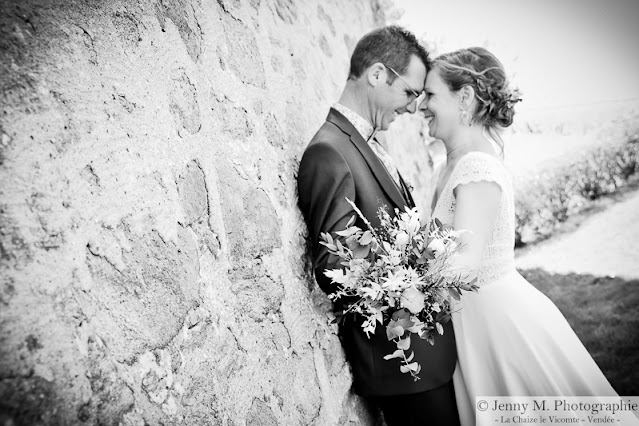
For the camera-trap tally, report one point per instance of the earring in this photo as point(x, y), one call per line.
point(464, 117)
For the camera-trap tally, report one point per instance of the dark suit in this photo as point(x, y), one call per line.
point(338, 163)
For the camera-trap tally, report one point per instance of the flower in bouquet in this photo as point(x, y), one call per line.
point(401, 275)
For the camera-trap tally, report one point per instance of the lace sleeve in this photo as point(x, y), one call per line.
point(479, 203)
point(481, 167)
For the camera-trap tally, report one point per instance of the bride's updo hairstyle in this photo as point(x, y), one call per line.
point(480, 69)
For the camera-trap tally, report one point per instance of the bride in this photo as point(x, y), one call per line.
point(511, 339)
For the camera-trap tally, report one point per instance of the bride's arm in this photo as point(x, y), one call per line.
point(477, 206)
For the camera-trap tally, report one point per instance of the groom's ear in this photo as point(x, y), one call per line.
point(376, 74)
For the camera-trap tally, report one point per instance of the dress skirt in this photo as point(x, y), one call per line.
point(513, 341)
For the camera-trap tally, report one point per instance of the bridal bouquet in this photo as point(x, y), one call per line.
point(400, 275)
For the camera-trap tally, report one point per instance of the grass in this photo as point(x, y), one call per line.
point(604, 312)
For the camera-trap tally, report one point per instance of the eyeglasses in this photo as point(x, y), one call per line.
point(418, 96)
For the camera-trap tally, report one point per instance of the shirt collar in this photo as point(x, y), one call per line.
point(361, 125)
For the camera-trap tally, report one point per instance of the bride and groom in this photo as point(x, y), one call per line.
point(506, 340)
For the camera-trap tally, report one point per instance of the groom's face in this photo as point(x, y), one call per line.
point(396, 98)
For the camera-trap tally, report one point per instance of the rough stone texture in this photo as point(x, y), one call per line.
point(153, 266)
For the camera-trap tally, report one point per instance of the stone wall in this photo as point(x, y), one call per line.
point(153, 257)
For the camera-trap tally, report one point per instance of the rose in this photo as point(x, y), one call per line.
point(401, 240)
point(436, 245)
point(413, 300)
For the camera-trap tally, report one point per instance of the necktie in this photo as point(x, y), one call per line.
point(386, 160)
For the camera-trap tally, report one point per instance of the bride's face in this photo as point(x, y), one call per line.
point(440, 107)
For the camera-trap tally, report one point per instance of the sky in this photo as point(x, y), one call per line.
point(558, 52)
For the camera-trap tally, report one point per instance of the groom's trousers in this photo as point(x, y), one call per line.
point(436, 407)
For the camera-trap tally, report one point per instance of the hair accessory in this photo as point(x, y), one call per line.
point(514, 96)
point(497, 98)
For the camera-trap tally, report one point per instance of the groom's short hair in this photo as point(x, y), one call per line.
point(393, 46)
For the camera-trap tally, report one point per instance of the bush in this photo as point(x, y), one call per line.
point(547, 201)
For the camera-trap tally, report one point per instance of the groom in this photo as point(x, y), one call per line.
point(345, 160)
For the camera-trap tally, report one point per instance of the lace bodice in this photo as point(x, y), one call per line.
point(498, 258)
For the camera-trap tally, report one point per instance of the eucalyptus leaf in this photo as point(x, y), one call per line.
point(393, 332)
point(412, 367)
point(404, 344)
point(366, 238)
point(397, 354)
point(360, 252)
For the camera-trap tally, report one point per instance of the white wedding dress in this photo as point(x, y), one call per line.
point(511, 339)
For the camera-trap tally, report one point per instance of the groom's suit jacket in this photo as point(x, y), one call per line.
point(338, 163)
